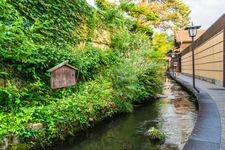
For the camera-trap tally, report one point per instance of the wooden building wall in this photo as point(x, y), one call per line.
point(209, 55)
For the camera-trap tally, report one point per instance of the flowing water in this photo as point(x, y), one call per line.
point(175, 114)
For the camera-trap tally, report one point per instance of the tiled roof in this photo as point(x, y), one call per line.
point(183, 36)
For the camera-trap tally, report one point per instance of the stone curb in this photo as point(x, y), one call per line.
point(206, 134)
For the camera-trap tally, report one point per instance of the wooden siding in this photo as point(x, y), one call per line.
point(63, 77)
point(209, 54)
point(208, 59)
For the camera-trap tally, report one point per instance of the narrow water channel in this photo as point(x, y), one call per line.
point(175, 114)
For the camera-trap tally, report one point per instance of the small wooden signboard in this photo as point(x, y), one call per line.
point(63, 75)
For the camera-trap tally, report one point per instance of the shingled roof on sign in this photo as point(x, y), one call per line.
point(60, 65)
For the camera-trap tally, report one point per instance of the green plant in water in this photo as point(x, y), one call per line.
point(156, 135)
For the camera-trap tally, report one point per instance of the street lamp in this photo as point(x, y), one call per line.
point(173, 55)
point(192, 31)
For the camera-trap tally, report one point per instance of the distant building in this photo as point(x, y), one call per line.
point(182, 39)
point(181, 42)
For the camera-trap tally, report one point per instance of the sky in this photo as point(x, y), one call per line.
point(91, 2)
point(205, 12)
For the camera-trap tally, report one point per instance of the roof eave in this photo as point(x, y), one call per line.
point(60, 65)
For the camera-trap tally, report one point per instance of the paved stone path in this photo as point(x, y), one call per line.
point(218, 95)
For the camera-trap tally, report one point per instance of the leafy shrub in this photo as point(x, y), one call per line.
point(151, 79)
point(10, 98)
point(121, 41)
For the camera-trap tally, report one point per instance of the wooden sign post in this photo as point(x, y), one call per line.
point(63, 75)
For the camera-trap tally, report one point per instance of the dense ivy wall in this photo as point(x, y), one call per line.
point(37, 35)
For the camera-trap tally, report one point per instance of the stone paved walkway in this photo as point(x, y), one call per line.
point(218, 95)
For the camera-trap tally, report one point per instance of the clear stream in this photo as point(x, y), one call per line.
point(175, 114)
